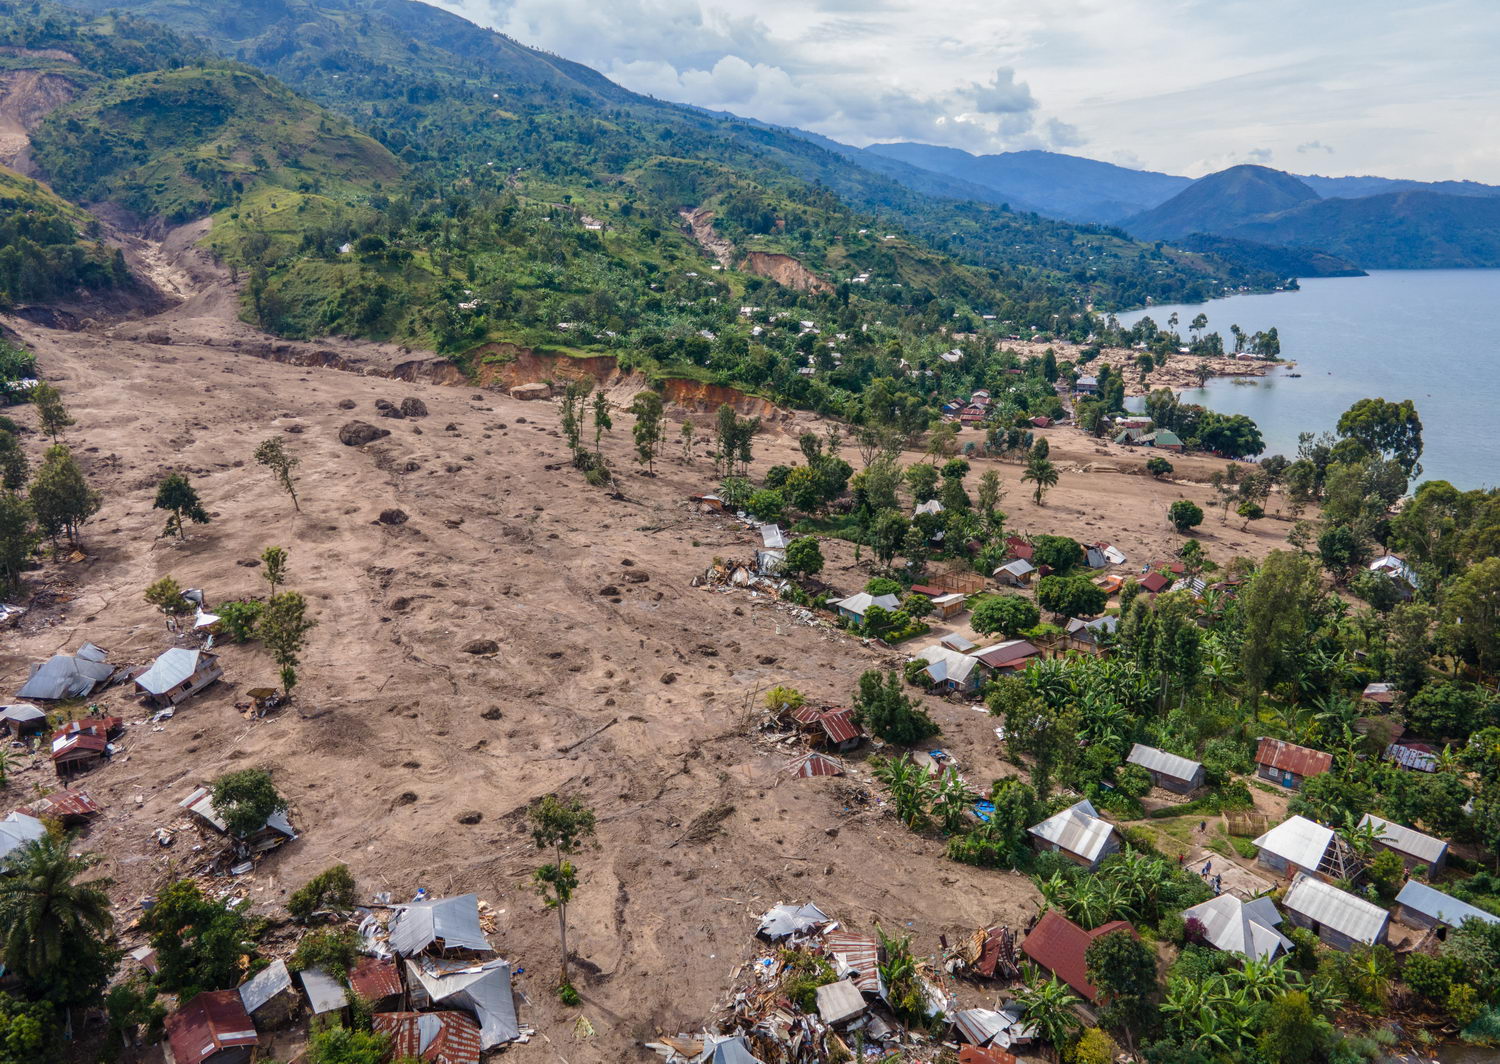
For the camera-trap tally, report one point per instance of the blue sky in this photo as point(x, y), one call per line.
point(1184, 86)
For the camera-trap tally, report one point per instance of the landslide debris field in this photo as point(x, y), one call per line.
point(467, 643)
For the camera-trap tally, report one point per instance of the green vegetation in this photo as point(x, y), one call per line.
point(332, 889)
point(245, 800)
point(560, 828)
point(43, 255)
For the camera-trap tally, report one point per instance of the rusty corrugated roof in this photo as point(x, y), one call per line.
point(212, 1022)
point(1289, 757)
point(1058, 945)
point(814, 764)
point(64, 805)
point(438, 1037)
point(862, 954)
point(375, 979)
point(839, 726)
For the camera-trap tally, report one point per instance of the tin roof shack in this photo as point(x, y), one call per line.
point(840, 1003)
point(377, 981)
point(837, 726)
point(68, 675)
point(1414, 848)
point(1154, 583)
point(274, 832)
point(1090, 637)
point(1013, 655)
point(70, 807)
point(22, 718)
point(1244, 927)
point(269, 998)
point(325, 994)
point(1289, 764)
point(949, 605)
point(1380, 694)
point(950, 670)
point(16, 830)
point(1167, 770)
point(78, 752)
point(812, 764)
point(213, 1028)
point(855, 607)
point(1015, 573)
point(1078, 833)
point(1426, 908)
point(438, 1037)
point(444, 923)
point(788, 921)
point(177, 675)
point(1058, 945)
point(480, 987)
point(1299, 846)
point(857, 958)
point(1338, 918)
point(1410, 754)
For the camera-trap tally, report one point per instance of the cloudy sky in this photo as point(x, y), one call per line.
point(1401, 89)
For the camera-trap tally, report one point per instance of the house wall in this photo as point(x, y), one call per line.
point(1290, 780)
point(1413, 919)
point(1043, 846)
point(1277, 864)
point(1172, 783)
point(1327, 935)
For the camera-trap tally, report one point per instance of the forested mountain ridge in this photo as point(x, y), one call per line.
point(1219, 202)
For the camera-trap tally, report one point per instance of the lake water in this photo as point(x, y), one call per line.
point(1425, 335)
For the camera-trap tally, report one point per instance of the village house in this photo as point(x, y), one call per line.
point(1380, 694)
point(212, 1028)
point(1078, 833)
point(68, 807)
point(1086, 386)
point(68, 675)
point(1426, 908)
point(949, 670)
point(1154, 583)
point(270, 998)
point(1337, 917)
point(1090, 637)
point(479, 987)
point(377, 981)
point(1015, 573)
point(1170, 771)
point(1299, 846)
point(1162, 440)
point(1287, 763)
point(436, 1037)
point(855, 607)
point(22, 718)
point(274, 832)
point(1013, 655)
point(447, 923)
point(1057, 945)
point(78, 751)
point(16, 830)
point(1415, 849)
point(177, 675)
point(1244, 927)
point(1419, 757)
point(836, 726)
point(325, 994)
point(1401, 575)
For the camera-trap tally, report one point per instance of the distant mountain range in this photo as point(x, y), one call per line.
point(1320, 225)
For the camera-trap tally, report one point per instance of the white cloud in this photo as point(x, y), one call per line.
point(1406, 90)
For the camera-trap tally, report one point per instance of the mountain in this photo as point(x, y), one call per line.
point(1062, 186)
point(44, 253)
point(1397, 230)
point(1279, 259)
point(1218, 202)
point(1358, 187)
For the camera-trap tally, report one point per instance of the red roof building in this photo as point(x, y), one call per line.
point(1012, 654)
point(977, 1055)
point(375, 980)
point(1289, 764)
point(439, 1037)
point(213, 1028)
point(1154, 583)
point(73, 753)
point(1058, 945)
point(71, 807)
point(1016, 547)
point(104, 727)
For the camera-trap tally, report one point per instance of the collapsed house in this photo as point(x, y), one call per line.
point(22, 718)
point(480, 987)
point(274, 832)
point(437, 1037)
point(69, 807)
point(68, 675)
point(212, 1028)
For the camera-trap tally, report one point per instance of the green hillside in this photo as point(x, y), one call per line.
point(188, 142)
point(44, 253)
point(1218, 202)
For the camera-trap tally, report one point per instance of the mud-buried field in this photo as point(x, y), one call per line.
point(398, 732)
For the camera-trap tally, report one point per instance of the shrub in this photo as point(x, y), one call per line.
point(1133, 780)
point(883, 585)
point(333, 950)
point(237, 619)
point(332, 888)
point(1095, 1047)
point(1185, 515)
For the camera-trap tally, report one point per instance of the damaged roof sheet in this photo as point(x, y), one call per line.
point(454, 920)
point(264, 985)
point(480, 987)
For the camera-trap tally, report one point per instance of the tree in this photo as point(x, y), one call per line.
point(245, 800)
point(1279, 605)
point(1050, 1006)
point(804, 489)
point(18, 538)
point(61, 499)
point(1387, 429)
point(273, 455)
point(166, 595)
point(562, 827)
point(1340, 550)
point(1010, 615)
point(50, 410)
point(13, 469)
point(1158, 466)
point(804, 557)
point(573, 399)
point(200, 942)
point(1070, 596)
point(887, 534)
point(647, 408)
point(991, 491)
point(602, 421)
point(283, 627)
point(347, 1045)
point(767, 505)
point(331, 889)
point(1250, 511)
point(29, 1032)
point(1058, 553)
point(1292, 1033)
point(1042, 475)
point(54, 923)
point(884, 708)
point(1124, 969)
point(273, 562)
point(686, 436)
point(1471, 614)
point(178, 497)
point(1185, 515)
point(922, 480)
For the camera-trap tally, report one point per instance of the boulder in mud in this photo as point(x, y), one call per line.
point(393, 516)
point(359, 433)
point(413, 407)
point(481, 646)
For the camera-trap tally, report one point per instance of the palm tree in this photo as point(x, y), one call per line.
point(46, 912)
point(1048, 1006)
point(1042, 474)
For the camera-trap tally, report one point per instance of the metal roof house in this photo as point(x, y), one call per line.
point(68, 675)
point(276, 830)
point(435, 1037)
point(1016, 573)
point(16, 830)
point(1009, 656)
point(178, 674)
point(1078, 833)
point(1289, 764)
point(269, 997)
point(22, 717)
point(448, 923)
point(1338, 918)
point(1423, 907)
point(78, 751)
point(1403, 576)
point(1058, 945)
point(324, 993)
point(1413, 847)
point(1244, 927)
point(855, 607)
point(480, 987)
point(1175, 773)
point(1090, 636)
point(1298, 845)
point(213, 1028)
point(950, 670)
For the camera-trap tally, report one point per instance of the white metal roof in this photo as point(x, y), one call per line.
point(1246, 928)
point(772, 536)
point(783, 920)
point(264, 985)
point(16, 830)
point(1076, 829)
point(168, 670)
point(861, 603)
point(931, 506)
point(1019, 567)
point(1160, 761)
point(1445, 908)
point(22, 713)
point(1297, 840)
point(455, 920)
point(481, 987)
point(945, 665)
point(1325, 904)
point(324, 992)
point(1406, 840)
